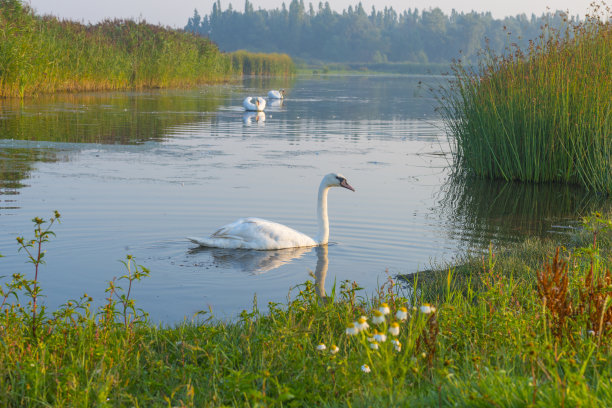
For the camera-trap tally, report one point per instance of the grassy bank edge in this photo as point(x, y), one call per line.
point(477, 333)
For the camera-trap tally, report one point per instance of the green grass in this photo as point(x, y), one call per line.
point(493, 340)
point(44, 55)
point(541, 114)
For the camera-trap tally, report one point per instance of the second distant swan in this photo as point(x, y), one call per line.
point(254, 103)
point(255, 233)
point(280, 94)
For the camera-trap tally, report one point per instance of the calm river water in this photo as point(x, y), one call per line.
point(137, 172)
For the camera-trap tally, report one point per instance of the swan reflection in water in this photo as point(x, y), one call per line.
point(276, 103)
point(256, 262)
point(321, 271)
point(250, 118)
point(249, 260)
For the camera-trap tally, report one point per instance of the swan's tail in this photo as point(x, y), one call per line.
point(199, 241)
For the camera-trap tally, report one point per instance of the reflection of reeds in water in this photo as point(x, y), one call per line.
point(16, 165)
point(493, 210)
point(103, 118)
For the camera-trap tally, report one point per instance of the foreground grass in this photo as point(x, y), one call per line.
point(514, 328)
point(541, 114)
point(44, 55)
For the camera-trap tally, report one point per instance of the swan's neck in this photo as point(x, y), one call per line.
point(323, 235)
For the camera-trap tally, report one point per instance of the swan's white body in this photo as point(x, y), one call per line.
point(254, 103)
point(280, 94)
point(255, 233)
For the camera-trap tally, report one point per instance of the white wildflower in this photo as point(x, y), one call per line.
point(380, 337)
point(374, 345)
point(352, 330)
point(426, 308)
point(402, 314)
point(378, 317)
point(394, 329)
point(362, 323)
point(384, 309)
point(334, 349)
point(321, 347)
point(365, 368)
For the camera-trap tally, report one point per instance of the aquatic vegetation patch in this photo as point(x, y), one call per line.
point(540, 114)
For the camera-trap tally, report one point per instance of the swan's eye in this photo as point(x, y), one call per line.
point(340, 179)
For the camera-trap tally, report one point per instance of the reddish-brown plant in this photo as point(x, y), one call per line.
point(553, 291)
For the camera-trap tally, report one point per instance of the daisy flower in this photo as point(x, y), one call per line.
point(321, 347)
point(365, 368)
point(394, 329)
point(374, 345)
point(396, 345)
point(362, 323)
point(352, 330)
point(378, 317)
point(380, 337)
point(426, 308)
point(334, 349)
point(402, 314)
point(384, 309)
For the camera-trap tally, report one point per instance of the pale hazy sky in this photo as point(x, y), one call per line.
point(175, 13)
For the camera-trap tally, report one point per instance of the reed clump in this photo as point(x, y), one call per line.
point(44, 55)
point(251, 63)
point(541, 114)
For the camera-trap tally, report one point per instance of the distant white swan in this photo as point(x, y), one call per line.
point(254, 103)
point(280, 94)
point(255, 233)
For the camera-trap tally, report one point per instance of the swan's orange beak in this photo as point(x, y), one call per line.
point(344, 184)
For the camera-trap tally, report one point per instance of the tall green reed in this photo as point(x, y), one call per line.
point(43, 55)
point(542, 114)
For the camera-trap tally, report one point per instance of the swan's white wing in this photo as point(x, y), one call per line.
point(255, 233)
point(262, 103)
point(249, 104)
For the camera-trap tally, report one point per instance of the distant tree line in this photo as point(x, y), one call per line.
point(321, 34)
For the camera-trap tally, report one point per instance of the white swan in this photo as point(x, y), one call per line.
point(254, 103)
point(255, 233)
point(280, 94)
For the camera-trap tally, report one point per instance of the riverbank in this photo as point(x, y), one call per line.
point(524, 325)
point(41, 55)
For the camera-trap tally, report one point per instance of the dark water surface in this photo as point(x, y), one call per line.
point(136, 172)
